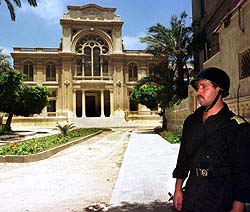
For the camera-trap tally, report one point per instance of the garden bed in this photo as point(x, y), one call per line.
point(173, 138)
point(40, 148)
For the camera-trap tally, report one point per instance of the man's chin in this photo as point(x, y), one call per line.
point(202, 104)
point(201, 101)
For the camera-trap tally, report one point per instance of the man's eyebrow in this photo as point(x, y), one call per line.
point(202, 83)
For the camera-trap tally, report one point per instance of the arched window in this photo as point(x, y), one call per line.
point(105, 67)
point(51, 71)
point(132, 72)
point(96, 61)
point(28, 71)
point(87, 61)
point(79, 67)
point(92, 47)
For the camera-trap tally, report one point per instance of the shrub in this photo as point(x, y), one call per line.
point(65, 129)
point(173, 138)
point(36, 145)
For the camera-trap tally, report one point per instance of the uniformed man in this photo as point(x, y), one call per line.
point(214, 153)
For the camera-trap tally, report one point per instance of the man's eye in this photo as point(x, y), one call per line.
point(202, 87)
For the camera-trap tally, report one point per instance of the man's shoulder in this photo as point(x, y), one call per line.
point(194, 116)
point(239, 119)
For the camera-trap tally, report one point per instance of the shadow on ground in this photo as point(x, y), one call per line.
point(148, 132)
point(155, 206)
point(151, 207)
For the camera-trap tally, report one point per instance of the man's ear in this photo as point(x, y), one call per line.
point(219, 90)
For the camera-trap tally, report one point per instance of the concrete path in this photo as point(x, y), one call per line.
point(67, 181)
point(146, 172)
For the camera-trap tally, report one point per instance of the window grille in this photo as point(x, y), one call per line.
point(91, 47)
point(245, 64)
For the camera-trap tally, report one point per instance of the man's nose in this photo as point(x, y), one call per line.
point(198, 90)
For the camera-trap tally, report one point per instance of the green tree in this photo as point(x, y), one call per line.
point(10, 86)
point(163, 79)
point(4, 62)
point(18, 3)
point(172, 46)
point(146, 94)
point(32, 99)
point(16, 98)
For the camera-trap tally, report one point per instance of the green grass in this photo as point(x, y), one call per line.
point(171, 137)
point(41, 144)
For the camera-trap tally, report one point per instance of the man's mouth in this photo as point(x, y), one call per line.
point(200, 97)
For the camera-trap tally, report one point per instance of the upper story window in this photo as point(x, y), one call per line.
point(132, 72)
point(96, 61)
point(28, 71)
point(79, 67)
point(51, 71)
point(92, 47)
point(245, 64)
point(105, 67)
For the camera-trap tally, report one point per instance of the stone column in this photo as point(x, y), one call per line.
point(74, 103)
point(83, 104)
point(83, 74)
point(102, 104)
point(111, 102)
point(101, 67)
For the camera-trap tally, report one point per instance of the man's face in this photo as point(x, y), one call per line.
point(206, 92)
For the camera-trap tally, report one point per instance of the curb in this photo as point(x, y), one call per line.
point(42, 155)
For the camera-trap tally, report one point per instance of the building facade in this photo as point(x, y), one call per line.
point(223, 29)
point(90, 74)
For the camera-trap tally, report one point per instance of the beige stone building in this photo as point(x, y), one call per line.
point(223, 29)
point(90, 74)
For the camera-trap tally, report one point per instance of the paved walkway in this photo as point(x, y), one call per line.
point(146, 172)
point(67, 181)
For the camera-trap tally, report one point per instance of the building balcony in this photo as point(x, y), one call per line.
point(35, 50)
point(93, 78)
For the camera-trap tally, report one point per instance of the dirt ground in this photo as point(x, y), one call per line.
point(68, 181)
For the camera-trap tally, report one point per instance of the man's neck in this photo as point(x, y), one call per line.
point(214, 110)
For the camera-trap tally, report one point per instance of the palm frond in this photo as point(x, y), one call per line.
point(11, 10)
point(65, 129)
point(18, 3)
point(32, 3)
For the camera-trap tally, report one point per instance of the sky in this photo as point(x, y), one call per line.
point(40, 26)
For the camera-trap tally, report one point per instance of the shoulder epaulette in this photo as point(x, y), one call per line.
point(239, 119)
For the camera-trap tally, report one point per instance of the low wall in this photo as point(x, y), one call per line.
point(177, 114)
point(36, 121)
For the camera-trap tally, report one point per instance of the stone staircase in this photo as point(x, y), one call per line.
point(112, 122)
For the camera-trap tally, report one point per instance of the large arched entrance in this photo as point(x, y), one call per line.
point(92, 104)
point(96, 103)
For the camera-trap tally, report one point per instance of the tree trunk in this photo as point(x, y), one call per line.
point(8, 122)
